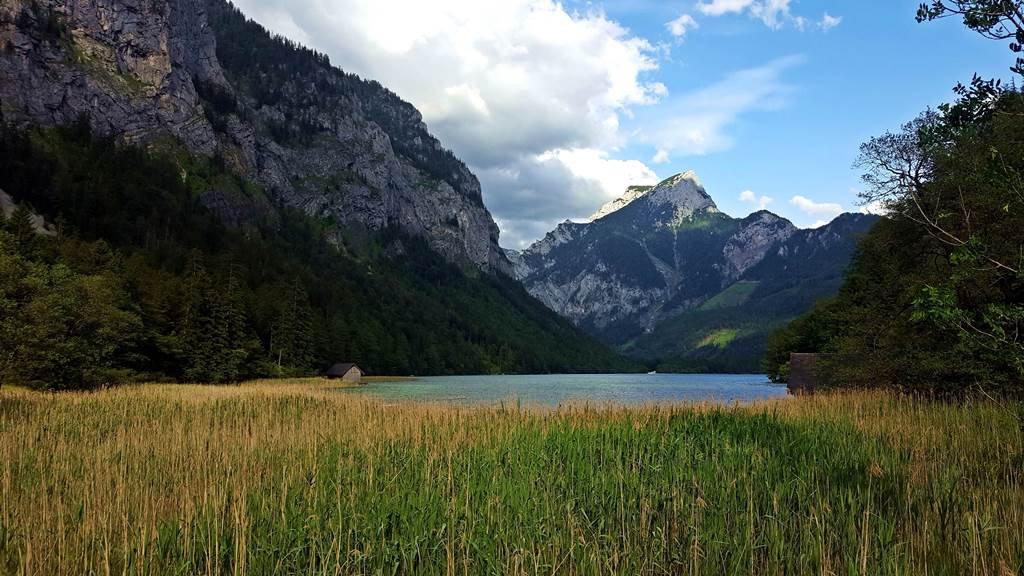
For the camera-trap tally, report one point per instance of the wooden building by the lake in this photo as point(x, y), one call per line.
point(810, 373)
point(345, 371)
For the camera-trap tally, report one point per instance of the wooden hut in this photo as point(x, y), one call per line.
point(809, 373)
point(345, 371)
point(802, 373)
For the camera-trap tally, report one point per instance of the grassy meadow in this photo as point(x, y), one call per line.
point(294, 477)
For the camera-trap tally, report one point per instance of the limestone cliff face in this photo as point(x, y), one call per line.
point(658, 252)
point(326, 142)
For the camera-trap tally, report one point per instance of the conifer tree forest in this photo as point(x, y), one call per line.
point(136, 280)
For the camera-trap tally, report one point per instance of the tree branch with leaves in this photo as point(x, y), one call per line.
point(993, 19)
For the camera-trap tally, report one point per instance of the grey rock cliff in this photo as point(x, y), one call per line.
point(39, 224)
point(758, 233)
point(146, 70)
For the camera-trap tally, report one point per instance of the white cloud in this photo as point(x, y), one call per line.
point(608, 175)
point(681, 25)
point(508, 85)
point(534, 193)
point(697, 123)
point(774, 13)
point(478, 70)
point(720, 7)
point(819, 210)
point(829, 22)
point(536, 98)
point(876, 207)
point(762, 202)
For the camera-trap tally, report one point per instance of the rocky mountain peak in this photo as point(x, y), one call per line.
point(632, 193)
point(668, 203)
point(756, 235)
point(684, 193)
point(666, 251)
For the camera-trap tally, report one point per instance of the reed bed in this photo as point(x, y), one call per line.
point(296, 478)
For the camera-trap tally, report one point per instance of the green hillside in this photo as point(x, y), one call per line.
point(728, 332)
point(733, 296)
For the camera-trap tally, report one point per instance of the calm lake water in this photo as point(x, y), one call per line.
point(552, 390)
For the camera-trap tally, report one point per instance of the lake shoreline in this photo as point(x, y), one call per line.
point(557, 389)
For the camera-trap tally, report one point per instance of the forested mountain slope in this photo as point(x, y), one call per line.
point(228, 205)
point(317, 139)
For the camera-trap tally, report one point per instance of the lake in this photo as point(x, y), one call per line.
point(555, 389)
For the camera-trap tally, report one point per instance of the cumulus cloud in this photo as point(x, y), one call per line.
point(749, 197)
point(569, 183)
point(774, 13)
point(477, 70)
point(829, 22)
point(516, 88)
point(824, 211)
point(681, 25)
point(536, 98)
point(877, 208)
point(720, 7)
point(697, 123)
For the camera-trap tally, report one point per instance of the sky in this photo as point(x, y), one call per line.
point(558, 107)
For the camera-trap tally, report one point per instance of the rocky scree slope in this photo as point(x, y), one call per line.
point(197, 72)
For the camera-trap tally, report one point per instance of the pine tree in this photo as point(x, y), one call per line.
point(21, 227)
point(197, 324)
point(292, 339)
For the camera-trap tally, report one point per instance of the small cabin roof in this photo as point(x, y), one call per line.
point(342, 368)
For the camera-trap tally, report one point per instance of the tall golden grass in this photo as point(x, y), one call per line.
point(294, 477)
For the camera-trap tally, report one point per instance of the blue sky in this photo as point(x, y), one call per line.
point(558, 106)
point(873, 71)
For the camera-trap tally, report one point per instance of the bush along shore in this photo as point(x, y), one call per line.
point(294, 477)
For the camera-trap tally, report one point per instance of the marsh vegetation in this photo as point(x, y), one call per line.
point(294, 477)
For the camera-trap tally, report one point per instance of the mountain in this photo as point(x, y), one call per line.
point(227, 205)
point(315, 138)
point(632, 193)
point(664, 275)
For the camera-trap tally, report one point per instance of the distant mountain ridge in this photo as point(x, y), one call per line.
point(660, 254)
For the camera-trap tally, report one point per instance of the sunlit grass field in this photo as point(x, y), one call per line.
point(298, 478)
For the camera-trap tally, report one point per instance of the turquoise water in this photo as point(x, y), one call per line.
point(552, 390)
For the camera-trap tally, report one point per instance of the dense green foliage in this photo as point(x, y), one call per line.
point(935, 299)
point(995, 19)
point(142, 281)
